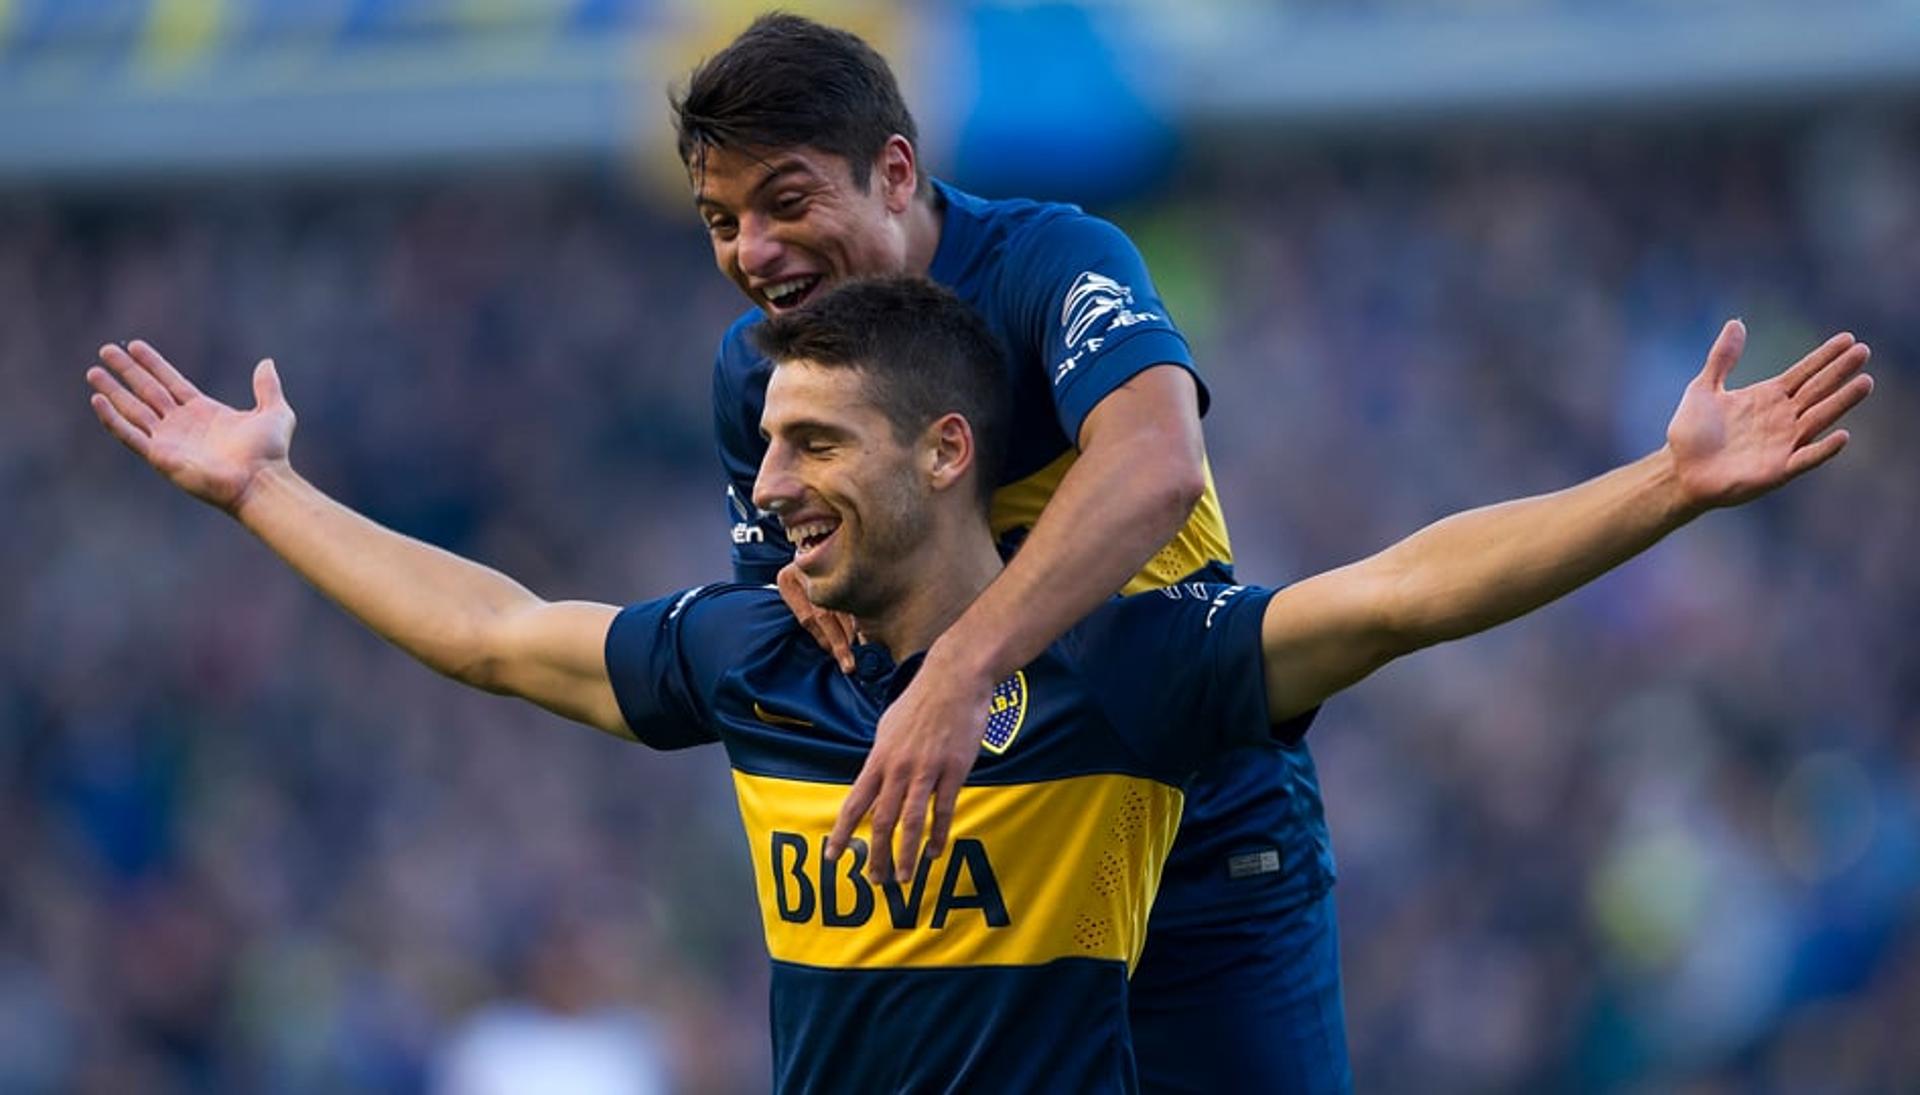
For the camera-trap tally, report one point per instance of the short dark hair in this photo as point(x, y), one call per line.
point(786, 82)
point(922, 352)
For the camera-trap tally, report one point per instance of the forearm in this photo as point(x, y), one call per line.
point(1111, 512)
point(1477, 569)
point(429, 602)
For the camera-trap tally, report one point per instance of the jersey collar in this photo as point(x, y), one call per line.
point(879, 676)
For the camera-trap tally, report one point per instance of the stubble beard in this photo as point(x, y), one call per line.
point(873, 579)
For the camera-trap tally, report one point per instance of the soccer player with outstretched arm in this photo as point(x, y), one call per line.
point(1001, 963)
point(804, 166)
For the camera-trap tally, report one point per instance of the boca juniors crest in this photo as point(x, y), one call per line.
point(1005, 713)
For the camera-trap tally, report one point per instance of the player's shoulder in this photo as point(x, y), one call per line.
point(1002, 211)
point(991, 225)
point(1060, 234)
point(729, 613)
point(739, 376)
point(736, 343)
point(1053, 250)
point(749, 603)
point(1172, 617)
point(1182, 598)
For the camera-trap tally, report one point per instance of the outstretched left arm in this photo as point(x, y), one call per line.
point(1486, 566)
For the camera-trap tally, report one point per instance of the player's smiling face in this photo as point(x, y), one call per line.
point(844, 486)
point(786, 223)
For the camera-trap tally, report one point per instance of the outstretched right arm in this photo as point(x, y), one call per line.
point(462, 619)
point(1480, 568)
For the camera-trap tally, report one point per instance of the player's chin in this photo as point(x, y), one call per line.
point(816, 575)
point(825, 591)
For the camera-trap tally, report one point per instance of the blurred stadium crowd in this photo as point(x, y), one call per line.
point(1665, 836)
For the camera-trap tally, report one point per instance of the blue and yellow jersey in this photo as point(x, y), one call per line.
point(1068, 297)
point(1002, 966)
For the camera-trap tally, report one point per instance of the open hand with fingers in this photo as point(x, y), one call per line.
point(206, 448)
point(1731, 445)
point(923, 749)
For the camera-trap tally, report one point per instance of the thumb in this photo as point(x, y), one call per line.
point(1725, 353)
point(266, 385)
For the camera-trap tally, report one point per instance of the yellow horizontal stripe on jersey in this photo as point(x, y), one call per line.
point(1202, 540)
point(1032, 873)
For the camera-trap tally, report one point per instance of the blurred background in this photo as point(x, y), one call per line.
point(1664, 836)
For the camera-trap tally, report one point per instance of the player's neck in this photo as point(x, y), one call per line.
point(924, 220)
point(950, 573)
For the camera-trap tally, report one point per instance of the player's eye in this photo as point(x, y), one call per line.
point(724, 228)
point(789, 204)
point(816, 444)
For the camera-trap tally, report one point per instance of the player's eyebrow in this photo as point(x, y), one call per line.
point(777, 171)
point(804, 428)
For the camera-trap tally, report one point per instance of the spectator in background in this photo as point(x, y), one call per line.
point(564, 1032)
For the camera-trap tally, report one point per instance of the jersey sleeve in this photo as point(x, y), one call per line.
point(665, 658)
point(759, 545)
point(1181, 672)
point(1094, 313)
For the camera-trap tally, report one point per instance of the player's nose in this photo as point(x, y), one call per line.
point(775, 488)
point(759, 248)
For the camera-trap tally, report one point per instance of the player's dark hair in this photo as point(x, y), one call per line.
point(921, 351)
point(788, 81)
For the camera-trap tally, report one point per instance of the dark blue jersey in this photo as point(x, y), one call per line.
point(1003, 965)
point(1069, 298)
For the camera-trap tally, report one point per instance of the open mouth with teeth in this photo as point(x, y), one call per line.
point(792, 292)
point(809, 536)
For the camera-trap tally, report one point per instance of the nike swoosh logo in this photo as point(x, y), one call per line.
point(767, 716)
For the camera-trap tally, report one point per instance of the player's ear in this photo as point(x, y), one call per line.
point(897, 172)
point(947, 450)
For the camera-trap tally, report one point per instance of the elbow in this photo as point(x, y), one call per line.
point(473, 656)
point(485, 673)
point(1176, 489)
point(1390, 639)
point(1188, 485)
point(1396, 613)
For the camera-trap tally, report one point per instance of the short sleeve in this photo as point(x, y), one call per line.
point(1098, 316)
point(759, 546)
point(665, 657)
point(1181, 671)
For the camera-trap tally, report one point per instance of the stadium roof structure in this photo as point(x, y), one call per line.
point(1283, 64)
point(97, 89)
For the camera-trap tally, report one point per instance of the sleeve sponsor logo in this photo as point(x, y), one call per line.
point(1220, 602)
point(741, 510)
point(746, 518)
point(1095, 306)
point(1200, 591)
